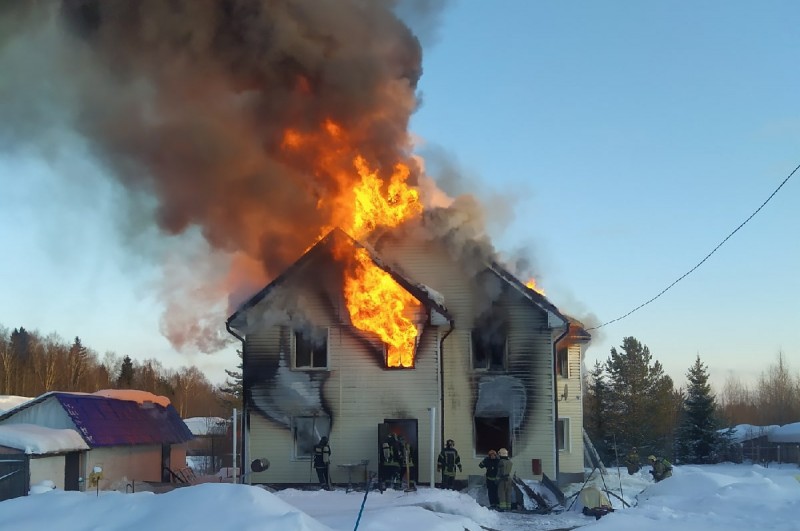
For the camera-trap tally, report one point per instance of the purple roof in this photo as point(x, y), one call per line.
point(111, 422)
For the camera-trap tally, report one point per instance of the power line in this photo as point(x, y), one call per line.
point(742, 224)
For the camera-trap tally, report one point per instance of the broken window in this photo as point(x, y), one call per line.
point(307, 431)
point(489, 349)
point(492, 433)
point(310, 349)
point(400, 358)
point(562, 362)
point(562, 434)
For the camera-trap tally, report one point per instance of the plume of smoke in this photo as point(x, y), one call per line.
point(188, 102)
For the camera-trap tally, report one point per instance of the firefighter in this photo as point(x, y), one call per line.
point(504, 486)
point(632, 461)
point(662, 469)
point(448, 461)
point(391, 461)
point(491, 463)
point(322, 462)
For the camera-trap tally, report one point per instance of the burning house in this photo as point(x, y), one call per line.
point(353, 341)
point(268, 143)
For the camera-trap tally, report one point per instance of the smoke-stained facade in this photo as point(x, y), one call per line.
point(508, 402)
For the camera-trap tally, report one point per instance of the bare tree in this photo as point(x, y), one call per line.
point(778, 394)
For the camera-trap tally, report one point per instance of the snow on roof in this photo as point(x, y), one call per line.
point(37, 440)
point(748, 432)
point(206, 425)
point(134, 395)
point(789, 433)
point(11, 401)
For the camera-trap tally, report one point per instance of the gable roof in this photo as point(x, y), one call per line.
point(105, 421)
point(534, 296)
point(326, 247)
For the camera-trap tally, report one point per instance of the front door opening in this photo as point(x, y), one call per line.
point(492, 433)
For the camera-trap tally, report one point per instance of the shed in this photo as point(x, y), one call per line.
point(31, 454)
point(131, 435)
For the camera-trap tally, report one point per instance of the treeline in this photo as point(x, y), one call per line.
point(32, 364)
point(630, 402)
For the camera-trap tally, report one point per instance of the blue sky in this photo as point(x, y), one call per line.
point(630, 139)
point(617, 143)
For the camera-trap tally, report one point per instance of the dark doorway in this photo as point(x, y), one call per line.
point(72, 471)
point(492, 433)
point(165, 463)
point(14, 476)
point(405, 430)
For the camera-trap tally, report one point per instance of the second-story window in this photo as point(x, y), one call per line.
point(310, 349)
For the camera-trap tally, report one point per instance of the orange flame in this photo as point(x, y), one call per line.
point(531, 284)
point(366, 202)
point(378, 304)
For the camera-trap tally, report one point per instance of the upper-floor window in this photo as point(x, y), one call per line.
point(562, 362)
point(562, 434)
point(310, 349)
point(489, 349)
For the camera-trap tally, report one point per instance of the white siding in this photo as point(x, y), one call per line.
point(571, 460)
point(50, 467)
point(356, 390)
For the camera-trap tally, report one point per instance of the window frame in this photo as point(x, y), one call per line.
point(320, 426)
point(311, 367)
point(563, 362)
point(400, 368)
point(490, 367)
point(563, 439)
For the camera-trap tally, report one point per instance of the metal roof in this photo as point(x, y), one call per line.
point(103, 421)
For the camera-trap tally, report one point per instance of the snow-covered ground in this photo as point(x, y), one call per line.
point(723, 497)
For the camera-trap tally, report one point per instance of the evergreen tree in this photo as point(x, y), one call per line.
point(234, 386)
point(594, 407)
point(698, 440)
point(641, 403)
point(77, 361)
point(126, 374)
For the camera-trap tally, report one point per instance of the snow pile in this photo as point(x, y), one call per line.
point(11, 401)
point(200, 426)
point(42, 487)
point(790, 433)
point(714, 497)
point(134, 395)
point(748, 432)
point(425, 509)
point(37, 440)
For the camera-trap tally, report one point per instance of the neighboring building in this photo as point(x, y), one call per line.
point(499, 364)
point(31, 455)
point(131, 435)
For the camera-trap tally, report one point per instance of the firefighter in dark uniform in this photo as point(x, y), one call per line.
point(490, 463)
point(322, 462)
point(448, 461)
point(391, 461)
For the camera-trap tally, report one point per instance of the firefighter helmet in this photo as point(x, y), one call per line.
point(503, 452)
point(651, 458)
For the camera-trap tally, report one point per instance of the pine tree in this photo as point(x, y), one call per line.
point(234, 386)
point(698, 440)
point(594, 407)
point(640, 406)
point(125, 379)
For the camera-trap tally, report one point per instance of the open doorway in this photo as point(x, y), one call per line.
point(492, 433)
